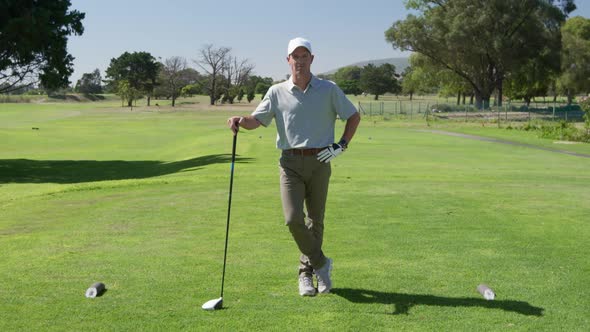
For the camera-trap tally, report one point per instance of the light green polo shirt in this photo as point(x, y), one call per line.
point(304, 119)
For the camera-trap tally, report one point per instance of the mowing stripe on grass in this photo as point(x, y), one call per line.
point(495, 140)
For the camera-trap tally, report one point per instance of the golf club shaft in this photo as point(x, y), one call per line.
point(231, 185)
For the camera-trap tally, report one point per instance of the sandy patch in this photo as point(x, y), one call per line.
point(565, 142)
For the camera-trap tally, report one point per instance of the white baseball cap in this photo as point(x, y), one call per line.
point(298, 42)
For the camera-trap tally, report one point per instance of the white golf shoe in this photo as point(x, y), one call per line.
point(323, 275)
point(306, 287)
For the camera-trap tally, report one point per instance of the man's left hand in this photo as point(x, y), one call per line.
point(330, 152)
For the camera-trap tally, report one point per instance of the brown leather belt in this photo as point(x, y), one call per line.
point(302, 152)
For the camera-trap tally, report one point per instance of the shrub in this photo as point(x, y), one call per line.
point(561, 130)
point(14, 99)
point(585, 106)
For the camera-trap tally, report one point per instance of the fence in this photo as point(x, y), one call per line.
point(414, 110)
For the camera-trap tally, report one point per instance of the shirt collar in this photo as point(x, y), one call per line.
point(312, 83)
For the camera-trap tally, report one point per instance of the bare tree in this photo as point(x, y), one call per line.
point(173, 76)
point(229, 71)
point(213, 60)
point(236, 73)
point(243, 70)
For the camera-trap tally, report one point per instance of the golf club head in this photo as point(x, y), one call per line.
point(214, 304)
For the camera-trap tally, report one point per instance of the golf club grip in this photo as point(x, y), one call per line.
point(231, 185)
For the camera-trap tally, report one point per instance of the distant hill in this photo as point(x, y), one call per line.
point(399, 63)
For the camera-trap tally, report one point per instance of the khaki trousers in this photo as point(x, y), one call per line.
point(304, 181)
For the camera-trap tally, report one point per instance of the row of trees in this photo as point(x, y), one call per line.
point(368, 79)
point(481, 47)
point(535, 79)
point(471, 48)
point(33, 53)
point(140, 74)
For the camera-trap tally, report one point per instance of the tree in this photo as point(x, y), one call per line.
point(33, 43)
point(348, 78)
point(427, 76)
point(127, 92)
point(257, 84)
point(379, 80)
point(193, 76)
point(410, 82)
point(532, 79)
point(173, 77)
point(212, 60)
point(452, 84)
point(194, 83)
point(139, 69)
point(585, 105)
point(254, 80)
point(237, 73)
point(421, 76)
point(191, 89)
point(90, 83)
point(240, 95)
point(575, 57)
point(221, 83)
point(262, 87)
point(250, 96)
point(481, 40)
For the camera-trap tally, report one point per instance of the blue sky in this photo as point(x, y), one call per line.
point(341, 32)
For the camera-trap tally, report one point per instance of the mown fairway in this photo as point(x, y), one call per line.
point(415, 221)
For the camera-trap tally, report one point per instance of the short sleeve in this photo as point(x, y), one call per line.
point(342, 105)
point(264, 111)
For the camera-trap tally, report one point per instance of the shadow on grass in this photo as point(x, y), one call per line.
point(78, 171)
point(404, 302)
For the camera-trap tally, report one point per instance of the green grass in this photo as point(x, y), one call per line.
point(415, 221)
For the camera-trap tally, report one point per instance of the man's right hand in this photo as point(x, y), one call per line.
point(234, 123)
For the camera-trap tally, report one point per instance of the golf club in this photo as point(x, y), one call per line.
point(218, 303)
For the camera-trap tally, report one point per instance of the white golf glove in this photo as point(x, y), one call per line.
point(330, 152)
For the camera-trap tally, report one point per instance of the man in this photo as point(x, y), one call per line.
point(305, 109)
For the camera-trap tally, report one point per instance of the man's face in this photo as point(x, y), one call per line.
point(300, 61)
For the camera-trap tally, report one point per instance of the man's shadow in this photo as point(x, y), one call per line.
point(80, 171)
point(404, 302)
